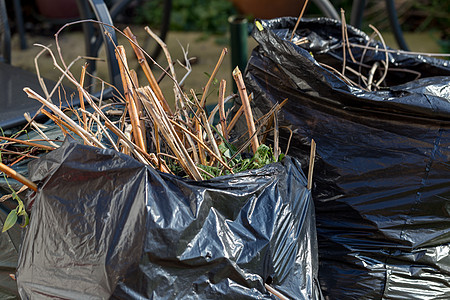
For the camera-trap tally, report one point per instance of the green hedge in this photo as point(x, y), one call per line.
point(189, 15)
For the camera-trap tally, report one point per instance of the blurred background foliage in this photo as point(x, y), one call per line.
point(211, 16)
point(189, 15)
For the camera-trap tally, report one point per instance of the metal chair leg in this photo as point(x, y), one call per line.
point(94, 38)
point(395, 25)
point(20, 24)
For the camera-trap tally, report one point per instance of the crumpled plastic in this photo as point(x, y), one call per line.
point(381, 176)
point(9, 253)
point(105, 226)
point(11, 240)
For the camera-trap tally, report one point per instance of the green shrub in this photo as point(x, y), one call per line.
point(189, 15)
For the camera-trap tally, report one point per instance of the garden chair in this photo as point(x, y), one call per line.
point(13, 101)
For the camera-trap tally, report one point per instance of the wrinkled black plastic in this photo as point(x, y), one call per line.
point(9, 253)
point(11, 240)
point(86, 223)
point(105, 225)
point(382, 174)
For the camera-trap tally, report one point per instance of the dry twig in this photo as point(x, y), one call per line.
point(298, 19)
point(22, 179)
point(237, 75)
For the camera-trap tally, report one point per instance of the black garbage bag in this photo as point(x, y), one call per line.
point(10, 240)
point(86, 224)
point(104, 225)
point(382, 174)
point(9, 253)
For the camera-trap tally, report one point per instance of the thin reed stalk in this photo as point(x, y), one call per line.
point(312, 157)
point(223, 118)
point(129, 96)
point(237, 75)
point(147, 70)
point(298, 19)
point(22, 179)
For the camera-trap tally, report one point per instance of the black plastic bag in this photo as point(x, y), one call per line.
point(382, 174)
point(104, 225)
point(10, 241)
point(9, 253)
point(86, 224)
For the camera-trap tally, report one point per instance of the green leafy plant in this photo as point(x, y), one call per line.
point(263, 156)
point(19, 211)
point(189, 15)
point(14, 214)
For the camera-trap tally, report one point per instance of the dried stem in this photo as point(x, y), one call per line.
point(386, 65)
point(139, 108)
point(199, 138)
point(59, 122)
point(371, 74)
point(237, 75)
point(6, 197)
point(194, 153)
point(291, 133)
point(203, 145)
point(154, 108)
point(312, 157)
point(271, 121)
point(237, 115)
point(400, 51)
point(206, 125)
point(264, 119)
point(38, 73)
point(108, 136)
point(147, 70)
point(187, 65)
point(129, 96)
point(343, 41)
point(275, 292)
point(298, 19)
point(17, 153)
point(35, 125)
point(301, 41)
point(216, 108)
point(138, 152)
point(213, 75)
point(345, 32)
point(22, 179)
point(343, 77)
point(276, 140)
point(223, 119)
point(157, 162)
point(28, 143)
point(32, 94)
point(83, 74)
point(163, 45)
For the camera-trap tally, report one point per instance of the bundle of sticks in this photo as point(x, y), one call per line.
point(183, 140)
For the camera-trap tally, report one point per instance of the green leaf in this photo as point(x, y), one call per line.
point(27, 221)
point(11, 219)
point(227, 153)
point(20, 208)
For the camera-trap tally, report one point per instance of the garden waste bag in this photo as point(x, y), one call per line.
point(106, 226)
point(382, 172)
point(9, 248)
